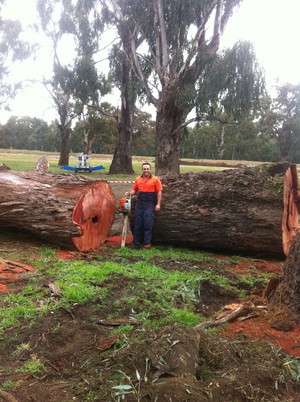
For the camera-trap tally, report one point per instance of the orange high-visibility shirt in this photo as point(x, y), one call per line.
point(149, 184)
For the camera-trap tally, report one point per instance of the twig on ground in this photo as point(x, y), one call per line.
point(241, 310)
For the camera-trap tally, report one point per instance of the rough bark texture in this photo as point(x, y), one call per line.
point(250, 210)
point(122, 159)
point(289, 289)
point(71, 211)
point(65, 133)
point(168, 138)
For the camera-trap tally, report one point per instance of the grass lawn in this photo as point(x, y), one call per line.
point(26, 160)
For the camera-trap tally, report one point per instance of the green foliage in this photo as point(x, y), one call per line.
point(280, 119)
point(232, 86)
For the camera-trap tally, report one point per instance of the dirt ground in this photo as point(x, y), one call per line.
point(241, 361)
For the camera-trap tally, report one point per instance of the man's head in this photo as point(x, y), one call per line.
point(146, 167)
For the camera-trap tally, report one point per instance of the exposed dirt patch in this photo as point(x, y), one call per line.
point(84, 357)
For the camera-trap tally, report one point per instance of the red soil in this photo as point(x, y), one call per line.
point(259, 328)
point(117, 239)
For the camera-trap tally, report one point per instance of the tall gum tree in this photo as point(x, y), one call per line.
point(181, 37)
point(58, 86)
point(76, 88)
point(122, 158)
point(280, 117)
point(124, 78)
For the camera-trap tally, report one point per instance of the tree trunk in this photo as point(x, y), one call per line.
point(65, 145)
point(288, 291)
point(122, 159)
point(66, 210)
point(168, 137)
point(248, 211)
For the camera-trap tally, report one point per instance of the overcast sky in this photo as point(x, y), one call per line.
point(272, 26)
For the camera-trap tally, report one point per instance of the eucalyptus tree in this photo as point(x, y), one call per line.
point(60, 85)
point(122, 74)
point(95, 130)
point(125, 80)
point(75, 88)
point(12, 49)
point(280, 118)
point(24, 133)
point(229, 93)
point(180, 39)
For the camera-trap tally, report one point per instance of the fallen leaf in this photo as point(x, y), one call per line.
point(106, 343)
point(54, 289)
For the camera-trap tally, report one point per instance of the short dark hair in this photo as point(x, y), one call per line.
point(146, 163)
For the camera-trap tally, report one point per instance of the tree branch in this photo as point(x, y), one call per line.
point(162, 38)
point(133, 58)
point(187, 122)
point(195, 42)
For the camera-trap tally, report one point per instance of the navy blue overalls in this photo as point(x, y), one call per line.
point(144, 217)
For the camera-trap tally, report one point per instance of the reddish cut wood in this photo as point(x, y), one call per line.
point(94, 213)
point(71, 211)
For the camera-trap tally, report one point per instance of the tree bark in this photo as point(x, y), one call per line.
point(288, 291)
point(248, 211)
point(170, 116)
point(65, 133)
point(122, 159)
point(71, 211)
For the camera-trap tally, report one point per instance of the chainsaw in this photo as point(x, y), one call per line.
point(124, 208)
point(124, 205)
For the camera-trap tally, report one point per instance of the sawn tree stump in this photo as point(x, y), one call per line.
point(250, 210)
point(72, 211)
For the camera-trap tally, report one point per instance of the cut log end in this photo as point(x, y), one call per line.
point(72, 212)
point(42, 165)
point(290, 216)
point(94, 214)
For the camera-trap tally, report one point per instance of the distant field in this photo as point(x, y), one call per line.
point(26, 160)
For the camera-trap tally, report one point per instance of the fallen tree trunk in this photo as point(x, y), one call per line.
point(72, 211)
point(249, 210)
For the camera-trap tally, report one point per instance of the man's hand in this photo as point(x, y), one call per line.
point(157, 207)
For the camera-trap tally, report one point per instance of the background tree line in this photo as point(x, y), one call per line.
point(167, 54)
point(271, 134)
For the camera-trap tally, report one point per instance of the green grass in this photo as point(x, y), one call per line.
point(153, 294)
point(33, 367)
point(26, 160)
point(166, 252)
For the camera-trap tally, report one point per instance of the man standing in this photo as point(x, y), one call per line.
point(149, 194)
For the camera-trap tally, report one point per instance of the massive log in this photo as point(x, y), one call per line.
point(72, 211)
point(248, 211)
